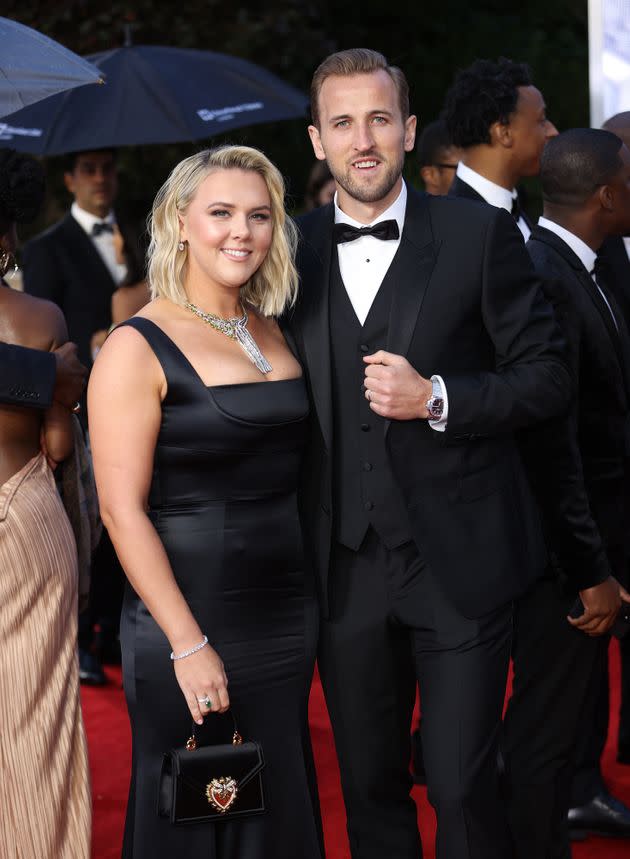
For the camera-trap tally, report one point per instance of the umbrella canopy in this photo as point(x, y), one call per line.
point(156, 95)
point(33, 67)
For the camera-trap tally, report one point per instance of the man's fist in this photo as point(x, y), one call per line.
point(394, 389)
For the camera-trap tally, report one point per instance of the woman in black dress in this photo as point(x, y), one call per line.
point(198, 415)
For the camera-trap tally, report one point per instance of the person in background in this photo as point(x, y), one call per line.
point(81, 263)
point(320, 188)
point(614, 257)
point(437, 157)
point(498, 117)
point(44, 773)
point(579, 467)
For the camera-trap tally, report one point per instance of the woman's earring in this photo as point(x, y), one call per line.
point(180, 246)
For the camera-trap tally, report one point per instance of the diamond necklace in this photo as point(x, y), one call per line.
point(236, 329)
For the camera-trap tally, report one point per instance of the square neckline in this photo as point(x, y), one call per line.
point(211, 388)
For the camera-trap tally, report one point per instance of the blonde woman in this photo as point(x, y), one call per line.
point(198, 417)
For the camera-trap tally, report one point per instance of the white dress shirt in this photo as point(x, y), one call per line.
point(492, 193)
point(104, 243)
point(583, 252)
point(364, 262)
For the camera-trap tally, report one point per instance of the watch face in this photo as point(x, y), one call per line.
point(435, 407)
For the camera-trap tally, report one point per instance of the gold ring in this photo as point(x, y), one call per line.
point(368, 395)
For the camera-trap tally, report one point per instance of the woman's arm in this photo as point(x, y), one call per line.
point(57, 435)
point(124, 403)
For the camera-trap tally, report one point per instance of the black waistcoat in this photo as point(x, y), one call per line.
point(364, 489)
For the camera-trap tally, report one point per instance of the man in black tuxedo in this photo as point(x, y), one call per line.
point(586, 187)
point(75, 264)
point(496, 115)
point(437, 158)
point(427, 344)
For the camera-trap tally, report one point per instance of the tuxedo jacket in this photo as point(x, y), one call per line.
point(616, 268)
point(459, 188)
point(27, 376)
point(63, 265)
point(600, 362)
point(466, 305)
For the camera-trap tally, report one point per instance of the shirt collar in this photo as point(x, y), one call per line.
point(583, 252)
point(396, 212)
point(87, 220)
point(490, 191)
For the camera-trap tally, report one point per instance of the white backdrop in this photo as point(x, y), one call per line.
point(609, 58)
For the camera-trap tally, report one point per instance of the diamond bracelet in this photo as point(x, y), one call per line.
point(190, 652)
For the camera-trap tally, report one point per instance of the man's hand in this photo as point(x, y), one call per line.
point(71, 375)
point(394, 389)
point(601, 607)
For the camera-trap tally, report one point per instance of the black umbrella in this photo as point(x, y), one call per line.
point(33, 67)
point(156, 95)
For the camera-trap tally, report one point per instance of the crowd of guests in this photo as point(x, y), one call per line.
point(394, 437)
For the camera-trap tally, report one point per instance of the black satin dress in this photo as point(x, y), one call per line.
point(223, 501)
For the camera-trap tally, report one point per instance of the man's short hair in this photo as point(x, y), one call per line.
point(357, 61)
point(484, 93)
point(70, 160)
point(575, 163)
point(433, 143)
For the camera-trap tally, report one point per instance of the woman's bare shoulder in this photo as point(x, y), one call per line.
point(30, 321)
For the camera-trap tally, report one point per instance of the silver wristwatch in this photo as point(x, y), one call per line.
point(435, 403)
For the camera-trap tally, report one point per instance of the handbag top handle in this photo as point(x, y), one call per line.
point(237, 739)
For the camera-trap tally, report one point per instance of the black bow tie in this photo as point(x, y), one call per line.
point(383, 230)
point(102, 227)
point(516, 208)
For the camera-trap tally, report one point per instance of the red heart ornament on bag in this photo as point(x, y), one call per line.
point(221, 793)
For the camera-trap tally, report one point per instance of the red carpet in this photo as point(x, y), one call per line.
point(108, 735)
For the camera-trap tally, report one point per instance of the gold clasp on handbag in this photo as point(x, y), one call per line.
point(222, 792)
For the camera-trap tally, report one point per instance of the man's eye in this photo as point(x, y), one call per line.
point(379, 120)
point(343, 123)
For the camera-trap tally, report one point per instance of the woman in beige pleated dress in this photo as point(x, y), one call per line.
point(45, 806)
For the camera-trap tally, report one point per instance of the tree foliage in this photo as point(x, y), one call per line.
point(290, 37)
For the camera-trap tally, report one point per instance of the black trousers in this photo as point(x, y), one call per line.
point(553, 668)
point(391, 626)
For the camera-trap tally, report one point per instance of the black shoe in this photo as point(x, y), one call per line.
point(90, 670)
point(604, 815)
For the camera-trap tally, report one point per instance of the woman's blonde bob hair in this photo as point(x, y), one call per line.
point(273, 287)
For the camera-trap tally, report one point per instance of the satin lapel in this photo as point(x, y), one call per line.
point(411, 271)
point(588, 284)
point(313, 316)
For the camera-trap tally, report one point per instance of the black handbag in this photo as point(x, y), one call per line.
point(212, 783)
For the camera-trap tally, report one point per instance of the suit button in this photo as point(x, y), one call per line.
point(367, 466)
point(365, 427)
point(364, 348)
point(368, 505)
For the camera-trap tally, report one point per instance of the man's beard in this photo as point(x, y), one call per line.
point(370, 194)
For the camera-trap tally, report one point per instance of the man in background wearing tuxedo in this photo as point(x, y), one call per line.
point(427, 344)
point(75, 264)
point(496, 115)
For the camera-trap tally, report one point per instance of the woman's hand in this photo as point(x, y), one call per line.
point(200, 676)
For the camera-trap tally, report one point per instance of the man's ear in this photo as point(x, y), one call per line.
point(316, 142)
point(606, 198)
point(501, 135)
point(410, 133)
point(68, 181)
point(430, 177)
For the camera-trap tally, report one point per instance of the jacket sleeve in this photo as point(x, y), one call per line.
point(27, 376)
point(531, 381)
point(553, 462)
